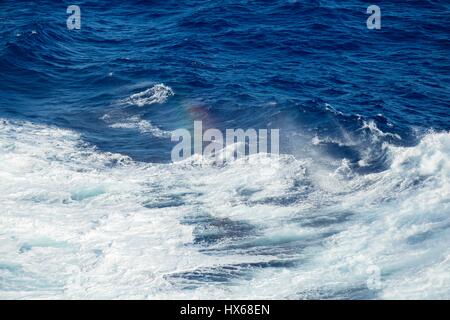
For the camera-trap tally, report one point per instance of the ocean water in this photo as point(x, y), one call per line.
point(356, 206)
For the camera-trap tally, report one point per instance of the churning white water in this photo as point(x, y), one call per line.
point(79, 223)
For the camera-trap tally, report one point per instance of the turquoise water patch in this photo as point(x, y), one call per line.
point(87, 193)
point(42, 243)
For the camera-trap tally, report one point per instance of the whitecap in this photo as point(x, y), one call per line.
point(143, 126)
point(158, 94)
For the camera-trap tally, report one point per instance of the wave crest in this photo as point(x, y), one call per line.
point(159, 93)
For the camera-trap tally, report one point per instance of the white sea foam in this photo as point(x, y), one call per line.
point(159, 93)
point(376, 132)
point(77, 223)
point(143, 126)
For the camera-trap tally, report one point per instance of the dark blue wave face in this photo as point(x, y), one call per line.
point(301, 66)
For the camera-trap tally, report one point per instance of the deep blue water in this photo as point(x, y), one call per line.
point(310, 68)
point(241, 63)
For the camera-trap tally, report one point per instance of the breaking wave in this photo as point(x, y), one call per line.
point(355, 207)
point(159, 93)
point(76, 220)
